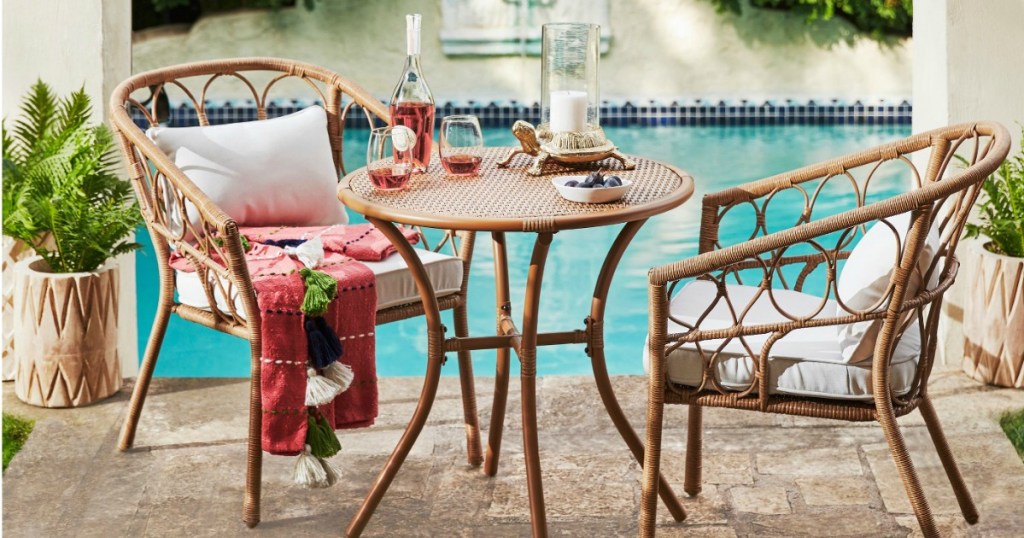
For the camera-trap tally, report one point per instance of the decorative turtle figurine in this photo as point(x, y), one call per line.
point(564, 148)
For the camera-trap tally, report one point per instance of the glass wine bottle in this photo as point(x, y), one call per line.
point(412, 104)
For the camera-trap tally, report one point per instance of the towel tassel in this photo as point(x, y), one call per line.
point(320, 436)
point(332, 472)
point(341, 374)
point(319, 389)
point(321, 288)
point(309, 472)
point(323, 344)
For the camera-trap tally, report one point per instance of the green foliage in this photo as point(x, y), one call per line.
point(149, 13)
point(876, 17)
point(1002, 209)
point(1012, 423)
point(16, 430)
point(59, 181)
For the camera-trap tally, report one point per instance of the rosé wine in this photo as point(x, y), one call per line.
point(461, 164)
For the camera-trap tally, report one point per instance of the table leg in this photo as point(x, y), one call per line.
point(435, 357)
point(504, 309)
point(528, 379)
point(595, 348)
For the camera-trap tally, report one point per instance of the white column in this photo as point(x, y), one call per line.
point(966, 58)
point(71, 44)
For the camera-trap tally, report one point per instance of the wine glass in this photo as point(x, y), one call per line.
point(389, 159)
point(462, 142)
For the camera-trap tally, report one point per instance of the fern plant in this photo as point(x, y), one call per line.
point(1002, 210)
point(59, 182)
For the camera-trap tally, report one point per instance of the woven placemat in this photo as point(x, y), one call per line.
point(511, 193)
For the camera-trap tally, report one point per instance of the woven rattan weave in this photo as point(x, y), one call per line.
point(954, 162)
point(504, 200)
point(509, 199)
point(215, 248)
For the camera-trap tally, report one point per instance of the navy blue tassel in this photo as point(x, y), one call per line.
point(283, 242)
point(324, 344)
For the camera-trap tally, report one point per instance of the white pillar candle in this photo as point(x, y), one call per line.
point(568, 111)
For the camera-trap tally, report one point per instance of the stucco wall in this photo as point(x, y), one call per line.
point(960, 77)
point(660, 49)
point(71, 45)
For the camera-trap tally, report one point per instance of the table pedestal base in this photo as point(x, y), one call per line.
point(524, 343)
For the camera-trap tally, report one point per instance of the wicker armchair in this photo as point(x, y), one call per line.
point(214, 246)
point(716, 342)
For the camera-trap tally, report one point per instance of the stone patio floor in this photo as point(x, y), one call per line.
point(763, 475)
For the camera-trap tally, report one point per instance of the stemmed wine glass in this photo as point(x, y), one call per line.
point(389, 159)
point(461, 147)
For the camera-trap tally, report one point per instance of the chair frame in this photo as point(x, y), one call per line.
point(215, 247)
point(941, 200)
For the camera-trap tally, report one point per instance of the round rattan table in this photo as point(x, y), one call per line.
point(501, 200)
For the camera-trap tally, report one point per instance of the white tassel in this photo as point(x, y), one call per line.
point(308, 471)
point(332, 472)
point(310, 253)
point(341, 374)
point(319, 389)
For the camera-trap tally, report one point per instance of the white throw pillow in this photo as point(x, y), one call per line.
point(261, 173)
point(865, 278)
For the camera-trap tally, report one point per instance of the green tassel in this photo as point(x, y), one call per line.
point(322, 441)
point(320, 291)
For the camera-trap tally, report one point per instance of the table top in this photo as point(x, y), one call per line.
point(510, 200)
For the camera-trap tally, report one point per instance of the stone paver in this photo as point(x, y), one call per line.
point(760, 500)
point(762, 475)
point(838, 490)
point(815, 462)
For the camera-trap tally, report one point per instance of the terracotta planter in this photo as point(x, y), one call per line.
point(994, 318)
point(66, 328)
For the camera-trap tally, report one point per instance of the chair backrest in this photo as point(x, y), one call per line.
point(207, 236)
point(945, 177)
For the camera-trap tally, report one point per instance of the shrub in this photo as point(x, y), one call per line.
point(1012, 423)
point(59, 183)
point(1002, 209)
point(16, 430)
point(876, 17)
point(149, 13)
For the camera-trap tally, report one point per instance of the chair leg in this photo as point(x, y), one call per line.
point(156, 340)
point(254, 450)
point(474, 453)
point(905, 466)
point(694, 439)
point(652, 462)
point(963, 496)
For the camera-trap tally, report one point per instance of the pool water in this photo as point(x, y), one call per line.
point(717, 158)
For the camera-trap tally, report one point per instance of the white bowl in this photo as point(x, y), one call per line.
point(589, 196)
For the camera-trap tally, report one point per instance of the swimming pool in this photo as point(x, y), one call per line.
point(717, 157)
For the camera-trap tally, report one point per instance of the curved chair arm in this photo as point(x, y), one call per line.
point(774, 243)
point(211, 241)
point(922, 297)
point(940, 203)
point(930, 191)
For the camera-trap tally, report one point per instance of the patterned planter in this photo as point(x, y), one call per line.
point(994, 318)
point(66, 328)
point(15, 250)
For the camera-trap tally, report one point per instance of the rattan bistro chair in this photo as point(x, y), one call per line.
point(767, 346)
point(216, 248)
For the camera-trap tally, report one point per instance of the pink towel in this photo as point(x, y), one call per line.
point(283, 348)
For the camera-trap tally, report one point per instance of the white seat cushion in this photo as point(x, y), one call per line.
point(806, 362)
point(395, 285)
